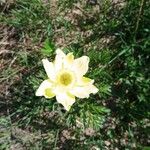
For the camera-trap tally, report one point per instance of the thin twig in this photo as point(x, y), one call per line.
point(8, 113)
point(56, 139)
point(139, 16)
point(6, 52)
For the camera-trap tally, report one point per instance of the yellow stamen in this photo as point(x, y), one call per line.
point(65, 79)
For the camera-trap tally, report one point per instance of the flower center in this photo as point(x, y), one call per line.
point(65, 78)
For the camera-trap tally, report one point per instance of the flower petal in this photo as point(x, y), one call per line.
point(66, 100)
point(80, 65)
point(84, 81)
point(49, 68)
point(60, 52)
point(84, 91)
point(59, 59)
point(68, 61)
point(44, 85)
point(92, 89)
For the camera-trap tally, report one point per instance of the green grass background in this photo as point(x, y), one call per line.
point(116, 37)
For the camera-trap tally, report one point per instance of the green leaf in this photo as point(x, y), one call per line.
point(146, 148)
point(48, 48)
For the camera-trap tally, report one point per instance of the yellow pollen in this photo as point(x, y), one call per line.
point(65, 79)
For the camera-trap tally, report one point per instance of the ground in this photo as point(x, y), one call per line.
point(114, 35)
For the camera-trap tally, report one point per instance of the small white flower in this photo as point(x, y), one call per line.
point(66, 79)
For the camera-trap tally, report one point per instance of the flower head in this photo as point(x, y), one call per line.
point(66, 79)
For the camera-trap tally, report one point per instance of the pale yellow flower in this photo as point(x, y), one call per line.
point(66, 79)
